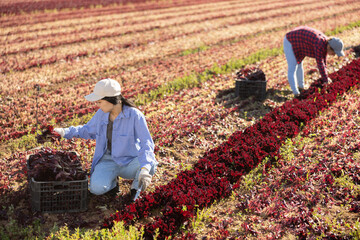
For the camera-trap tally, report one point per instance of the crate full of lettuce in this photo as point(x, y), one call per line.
point(57, 181)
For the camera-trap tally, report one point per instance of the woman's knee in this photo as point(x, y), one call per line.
point(99, 189)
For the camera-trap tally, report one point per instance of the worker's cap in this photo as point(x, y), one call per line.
point(337, 45)
point(104, 88)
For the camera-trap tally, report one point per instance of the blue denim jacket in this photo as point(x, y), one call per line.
point(130, 137)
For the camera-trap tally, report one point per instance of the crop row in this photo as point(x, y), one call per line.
point(86, 148)
point(64, 105)
point(151, 111)
point(172, 115)
point(198, 102)
point(214, 174)
point(110, 26)
point(164, 69)
point(167, 121)
point(114, 20)
point(12, 7)
point(176, 121)
point(157, 44)
point(190, 109)
point(16, 164)
point(318, 171)
point(179, 123)
point(175, 116)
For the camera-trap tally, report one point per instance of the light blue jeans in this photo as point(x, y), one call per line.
point(295, 70)
point(106, 171)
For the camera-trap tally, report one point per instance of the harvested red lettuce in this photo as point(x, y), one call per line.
point(55, 165)
point(48, 135)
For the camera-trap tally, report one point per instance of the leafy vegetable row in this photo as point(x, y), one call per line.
point(219, 170)
point(222, 29)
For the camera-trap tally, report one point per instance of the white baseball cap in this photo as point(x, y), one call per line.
point(104, 88)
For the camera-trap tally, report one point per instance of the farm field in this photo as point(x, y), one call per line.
point(229, 168)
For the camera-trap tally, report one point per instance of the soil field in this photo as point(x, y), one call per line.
point(229, 168)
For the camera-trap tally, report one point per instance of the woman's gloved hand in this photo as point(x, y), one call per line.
point(144, 179)
point(60, 131)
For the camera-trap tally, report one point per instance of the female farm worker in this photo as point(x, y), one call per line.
point(124, 146)
point(305, 41)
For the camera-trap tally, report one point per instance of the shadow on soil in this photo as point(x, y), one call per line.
point(16, 211)
point(356, 50)
point(252, 107)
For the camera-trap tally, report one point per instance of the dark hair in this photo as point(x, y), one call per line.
point(120, 99)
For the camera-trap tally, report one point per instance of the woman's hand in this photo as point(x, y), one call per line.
point(144, 179)
point(60, 131)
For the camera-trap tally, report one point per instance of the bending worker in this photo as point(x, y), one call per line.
point(304, 42)
point(124, 146)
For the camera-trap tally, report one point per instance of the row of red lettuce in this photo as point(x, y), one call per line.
point(218, 172)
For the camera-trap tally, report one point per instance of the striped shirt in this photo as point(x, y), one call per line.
point(309, 42)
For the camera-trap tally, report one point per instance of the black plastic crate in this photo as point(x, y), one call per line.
point(59, 197)
point(245, 88)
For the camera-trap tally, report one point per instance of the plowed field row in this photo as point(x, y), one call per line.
point(90, 9)
point(180, 119)
point(65, 105)
point(111, 20)
point(50, 51)
point(177, 60)
point(123, 58)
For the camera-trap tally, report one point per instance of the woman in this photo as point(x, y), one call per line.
point(124, 146)
point(304, 42)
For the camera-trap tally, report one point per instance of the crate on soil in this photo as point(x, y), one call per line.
point(57, 197)
point(250, 82)
point(57, 182)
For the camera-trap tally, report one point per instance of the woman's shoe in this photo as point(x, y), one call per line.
point(113, 192)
